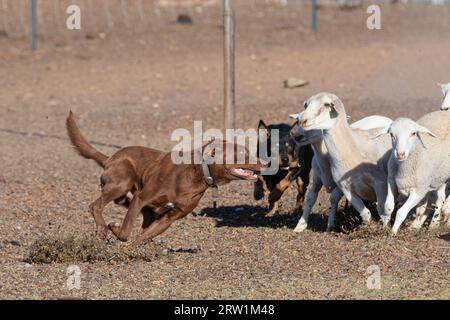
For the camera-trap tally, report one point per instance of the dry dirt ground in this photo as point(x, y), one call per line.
point(136, 89)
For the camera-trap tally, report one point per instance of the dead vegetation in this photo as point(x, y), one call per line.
point(78, 249)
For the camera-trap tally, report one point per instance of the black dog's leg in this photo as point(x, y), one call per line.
point(276, 193)
point(258, 191)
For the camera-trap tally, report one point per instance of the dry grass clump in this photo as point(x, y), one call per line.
point(371, 231)
point(72, 249)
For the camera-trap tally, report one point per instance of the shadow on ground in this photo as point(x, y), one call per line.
point(445, 237)
point(254, 216)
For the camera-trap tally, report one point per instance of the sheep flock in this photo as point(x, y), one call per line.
point(401, 165)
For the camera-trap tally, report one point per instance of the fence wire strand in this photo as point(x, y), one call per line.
point(105, 15)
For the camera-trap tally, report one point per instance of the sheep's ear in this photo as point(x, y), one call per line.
point(305, 104)
point(443, 88)
point(422, 129)
point(330, 105)
point(382, 132)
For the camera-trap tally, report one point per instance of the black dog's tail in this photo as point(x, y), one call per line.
point(81, 145)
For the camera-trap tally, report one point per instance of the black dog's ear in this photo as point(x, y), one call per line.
point(263, 126)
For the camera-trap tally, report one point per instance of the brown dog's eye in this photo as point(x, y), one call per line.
point(329, 104)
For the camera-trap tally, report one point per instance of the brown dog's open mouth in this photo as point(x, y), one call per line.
point(244, 173)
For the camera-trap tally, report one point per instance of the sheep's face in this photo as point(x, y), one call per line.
point(404, 134)
point(446, 91)
point(320, 112)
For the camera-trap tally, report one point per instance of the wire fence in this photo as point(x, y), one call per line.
point(127, 15)
point(103, 15)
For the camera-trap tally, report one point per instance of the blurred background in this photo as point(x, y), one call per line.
point(146, 67)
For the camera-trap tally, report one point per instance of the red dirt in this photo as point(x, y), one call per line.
point(135, 90)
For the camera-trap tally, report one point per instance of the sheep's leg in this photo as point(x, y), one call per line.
point(389, 204)
point(446, 211)
point(358, 204)
point(439, 203)
point(311, 198)
point(413, 199)
point(336, 195)
point(381, 191)
point(421, 217)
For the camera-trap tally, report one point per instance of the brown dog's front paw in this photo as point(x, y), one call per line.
point(115, 228)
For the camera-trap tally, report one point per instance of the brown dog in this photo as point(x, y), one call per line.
point(162, 191)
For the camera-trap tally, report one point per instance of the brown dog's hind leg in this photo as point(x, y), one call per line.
point(123, 232)
point(109, 193)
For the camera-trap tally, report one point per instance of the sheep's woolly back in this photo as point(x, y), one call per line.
point(437, 122)
point(429, 167)
point(367, 143)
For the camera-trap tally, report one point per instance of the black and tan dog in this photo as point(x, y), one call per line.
point(294, 165)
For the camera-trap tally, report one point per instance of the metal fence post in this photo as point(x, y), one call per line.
point(314, 15)
point(33, 24)
point(228, 56)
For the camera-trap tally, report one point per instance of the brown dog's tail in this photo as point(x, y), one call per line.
point(81, 145)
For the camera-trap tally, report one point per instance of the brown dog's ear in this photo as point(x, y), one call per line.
point(263, 126)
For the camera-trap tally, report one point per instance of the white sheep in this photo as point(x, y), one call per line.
point(445, 90)
point(446, 211)
point(419, 161)
point(439, 205)
point(322, 175)
point(358, 164)
point(446, 106)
